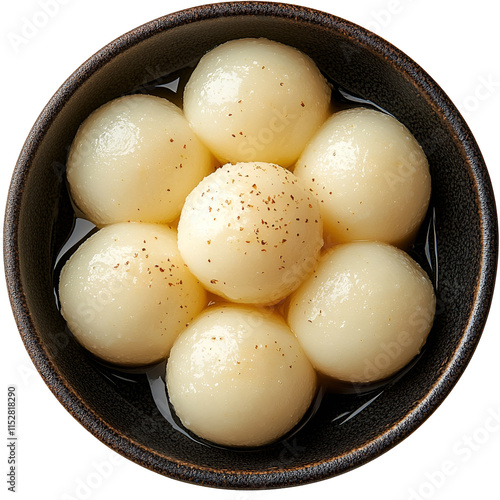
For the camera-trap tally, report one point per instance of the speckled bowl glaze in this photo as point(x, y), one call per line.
point(338, 437)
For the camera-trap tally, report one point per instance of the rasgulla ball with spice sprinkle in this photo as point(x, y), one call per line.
point(364, 313)
point(135, 159)
point(254, 99)
point(371, 177)
point(126, 293)
point(238, 377)
point(251, 232)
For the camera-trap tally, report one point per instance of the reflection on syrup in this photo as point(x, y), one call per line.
point(350, 100)
point(344, 417)
point(156, 380)
point(169, 86)
point(80, 231)
point(431, 249)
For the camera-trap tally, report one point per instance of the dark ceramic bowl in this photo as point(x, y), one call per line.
point(461, 231)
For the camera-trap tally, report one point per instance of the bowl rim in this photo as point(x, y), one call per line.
point(284, 477)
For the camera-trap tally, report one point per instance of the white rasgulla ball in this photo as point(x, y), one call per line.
point(251, 232)
point(126, 293)
point(135, 159)
point(254, 99)
point(238, 377)
point(364, 313)
point(371, 176)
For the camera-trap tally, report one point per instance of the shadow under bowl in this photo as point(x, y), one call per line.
point(124, 416)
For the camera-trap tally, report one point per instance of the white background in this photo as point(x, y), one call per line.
point(453, 455)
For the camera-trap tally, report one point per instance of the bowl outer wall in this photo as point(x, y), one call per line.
point(363, 64)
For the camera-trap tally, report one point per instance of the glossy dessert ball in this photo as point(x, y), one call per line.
point(135, 159)
point(364, 313)
point(238, 377)
point(251, 232)
point(254, 99)
point(371, 177)
point(126, 293)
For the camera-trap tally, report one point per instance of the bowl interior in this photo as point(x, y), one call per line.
point(463, 230)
